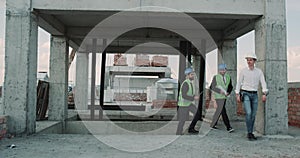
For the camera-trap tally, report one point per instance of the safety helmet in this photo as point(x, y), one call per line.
point(252, 55)
point(188, 70)
point(222, 67)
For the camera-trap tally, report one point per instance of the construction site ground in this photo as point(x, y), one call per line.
point(215, 143)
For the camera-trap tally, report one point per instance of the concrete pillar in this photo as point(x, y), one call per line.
point(58, 78)
point(20, 67)
point(81, 86)
point(199, 66)
point(228, 54)
point(182, 60)
point(270, 48)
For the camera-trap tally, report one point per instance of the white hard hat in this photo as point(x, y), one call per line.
point(251, 55)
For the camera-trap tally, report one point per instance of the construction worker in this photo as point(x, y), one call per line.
point(186, 100)
point(246, 91)
point(221, 87)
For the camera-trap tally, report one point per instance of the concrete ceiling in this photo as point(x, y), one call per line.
point(76, 25)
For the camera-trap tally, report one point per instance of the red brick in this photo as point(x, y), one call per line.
point(3, 119)
point(3, 132)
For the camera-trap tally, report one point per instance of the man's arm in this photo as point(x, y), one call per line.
point(230, 87)
point(263, 83)
point(239, 82)
point(213, 86)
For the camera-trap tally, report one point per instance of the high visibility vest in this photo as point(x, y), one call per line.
point(190, 92)
point(221, 84)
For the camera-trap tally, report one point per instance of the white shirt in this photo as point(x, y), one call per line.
point(249, 80)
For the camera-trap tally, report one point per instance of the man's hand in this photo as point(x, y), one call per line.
point(264, 98)
point(238, 99)
point(196, 97)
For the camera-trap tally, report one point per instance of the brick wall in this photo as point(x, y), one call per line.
point(3, 127)
point(240, 109)
point(294, 104)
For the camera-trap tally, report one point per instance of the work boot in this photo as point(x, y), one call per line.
point(230, 129)
point(193, 131)
point(251, 137)
point(214, 127)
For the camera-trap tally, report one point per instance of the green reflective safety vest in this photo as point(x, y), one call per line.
point(181, 100)
point(221, 85)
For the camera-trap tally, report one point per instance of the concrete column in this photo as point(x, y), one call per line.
point(270, 48)
point(20, 67)
point(196, 60)
point(228, 54)
point(58, 78)
point(199, 66)
point(182, 60)
point(81, 86)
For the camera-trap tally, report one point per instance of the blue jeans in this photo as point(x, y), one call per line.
point(250, 101)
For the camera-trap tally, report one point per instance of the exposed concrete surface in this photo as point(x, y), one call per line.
point(81, 89)
point(217, 143)
point(19, 100)
point(202, 6)
point(58, 78)
point(270, 48)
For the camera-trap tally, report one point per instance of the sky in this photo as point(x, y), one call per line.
point(245, 45)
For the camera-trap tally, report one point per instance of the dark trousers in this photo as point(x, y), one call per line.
point(197, 116)
point(183, 115)
point(221, 110)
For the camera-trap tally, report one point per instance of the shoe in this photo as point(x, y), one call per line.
point(230, 129)
point(193, 131)
point(200, 119)
point(214, 127)
point(251, 137)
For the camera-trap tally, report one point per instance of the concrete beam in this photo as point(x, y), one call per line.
point(198, 6)
point(58, 91)
point(240, 27)
point(51, 24)
point(271, 50)
point(20, 67)
point(228, 56)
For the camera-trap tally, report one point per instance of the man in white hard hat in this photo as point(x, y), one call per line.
point(246, 91)
point(186, 104)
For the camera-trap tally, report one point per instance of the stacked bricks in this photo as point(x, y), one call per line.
point(159, 61)
point(130, 97)
point(142, 60)
point(294, 104)
point(164, 104)
point(3, 127)
point(120, 60)
point(240, 109)
point(210, 102)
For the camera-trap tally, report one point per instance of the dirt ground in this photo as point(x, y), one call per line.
point(217, 143)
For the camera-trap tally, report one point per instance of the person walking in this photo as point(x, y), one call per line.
point(246, 91)
point(186, 104)
point(221, 87)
